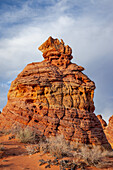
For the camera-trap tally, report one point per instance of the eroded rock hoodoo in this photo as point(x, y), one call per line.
point(54, 97)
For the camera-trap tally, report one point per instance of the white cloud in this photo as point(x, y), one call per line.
point(4, 87)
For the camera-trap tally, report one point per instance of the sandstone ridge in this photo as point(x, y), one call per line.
point(102, 121)
point(109, 131)
point(54, 97)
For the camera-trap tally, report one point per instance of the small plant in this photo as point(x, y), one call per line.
point(56, 146)
point(108, 154)
point(5, 132)
point(44, 146)
point(26, 135)
point(92, 156)
point(32, 149)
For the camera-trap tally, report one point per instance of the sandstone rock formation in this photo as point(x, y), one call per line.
point(109, 131)
point(102, 121)
point(54, 97)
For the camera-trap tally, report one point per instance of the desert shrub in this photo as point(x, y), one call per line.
point(44, 146)
point(32, 149)
point(5, 132)
point(110, 154)
point(56, 146)
point(92, 156)
point(26, 135)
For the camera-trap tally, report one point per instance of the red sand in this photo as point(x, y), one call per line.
point(16, 157)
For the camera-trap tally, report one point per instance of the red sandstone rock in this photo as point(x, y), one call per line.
point(54, 97)
point(102, 121)
point(109, 131)
point(56, 52)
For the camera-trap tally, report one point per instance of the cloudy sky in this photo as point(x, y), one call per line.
point(85, 25)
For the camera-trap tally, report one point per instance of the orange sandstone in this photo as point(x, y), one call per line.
point(109, 131)
point(54, 97)
point(102, 121)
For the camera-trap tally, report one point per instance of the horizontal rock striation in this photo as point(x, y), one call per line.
point(54, 97)
point(102, 121)
point(109, 131)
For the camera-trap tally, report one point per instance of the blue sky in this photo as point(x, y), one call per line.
point(86, 25)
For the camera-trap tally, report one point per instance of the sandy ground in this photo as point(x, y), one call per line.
point(15, 157)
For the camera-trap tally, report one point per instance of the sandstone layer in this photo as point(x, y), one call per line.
point(109, 131)
point(102, 121)
point(54, 97)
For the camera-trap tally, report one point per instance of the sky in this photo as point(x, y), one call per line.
point(85, 25)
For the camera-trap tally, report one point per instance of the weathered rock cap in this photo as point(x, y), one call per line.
point(53, 49)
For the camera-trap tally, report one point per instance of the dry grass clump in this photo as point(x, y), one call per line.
point(93, 156)
point(26, 135)
point(109, 154)
point(5, 132)
point(32, 149)
point(56, 146)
